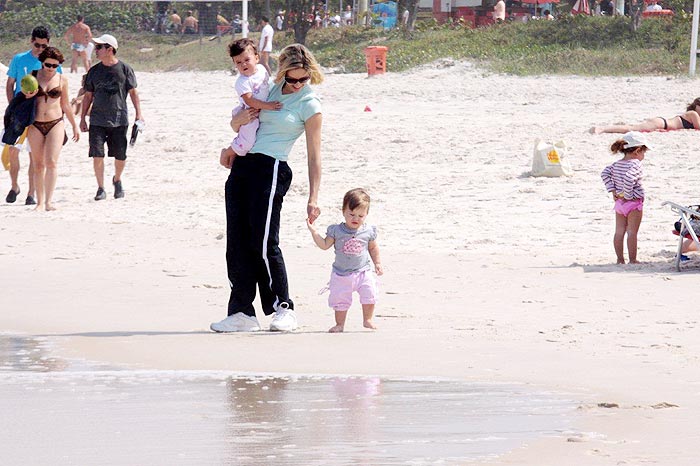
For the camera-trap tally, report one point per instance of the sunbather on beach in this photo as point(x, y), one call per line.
point(688, 120)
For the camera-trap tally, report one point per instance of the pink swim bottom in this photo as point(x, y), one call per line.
point(624, 207)
point(342, 287)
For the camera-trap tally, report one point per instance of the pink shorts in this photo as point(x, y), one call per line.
point(624, 207)
point(342, 287)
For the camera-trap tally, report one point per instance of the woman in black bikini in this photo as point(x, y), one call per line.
point(689, 120)
point(47, 134)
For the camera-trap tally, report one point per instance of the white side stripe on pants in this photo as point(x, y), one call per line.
point(273, 189)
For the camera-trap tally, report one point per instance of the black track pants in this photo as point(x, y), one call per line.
point(255, 190)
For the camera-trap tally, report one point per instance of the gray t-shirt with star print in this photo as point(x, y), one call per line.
point(351, 248)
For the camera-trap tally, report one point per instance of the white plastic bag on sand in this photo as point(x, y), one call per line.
point(549, 159)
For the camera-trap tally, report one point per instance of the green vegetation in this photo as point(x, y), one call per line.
point(59, 16)
point(572, 45)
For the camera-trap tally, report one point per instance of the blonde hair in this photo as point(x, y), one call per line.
point(297, 56)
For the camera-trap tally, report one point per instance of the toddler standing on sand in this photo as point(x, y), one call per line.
point(252, 87)
point(355, 250)
point(623, 180)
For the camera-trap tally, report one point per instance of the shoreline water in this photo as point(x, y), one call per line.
point(222, 417)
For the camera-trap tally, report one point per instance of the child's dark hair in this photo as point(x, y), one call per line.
point(619, 146)
point(237, 47)
point(693, 104)
point(355, 198)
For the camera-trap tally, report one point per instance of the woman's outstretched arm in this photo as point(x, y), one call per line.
point(312, 127)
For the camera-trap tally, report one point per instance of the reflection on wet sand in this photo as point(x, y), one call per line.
point(27, 354)
point(359, 420)
point(316, 418)
point(54, 414)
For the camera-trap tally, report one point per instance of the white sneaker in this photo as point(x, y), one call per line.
point(285, 319)
point(237, 322)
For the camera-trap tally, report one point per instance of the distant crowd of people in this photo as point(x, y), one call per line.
point(170, 21)
point(503, 10)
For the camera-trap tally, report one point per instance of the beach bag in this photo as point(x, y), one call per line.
point(548, 159)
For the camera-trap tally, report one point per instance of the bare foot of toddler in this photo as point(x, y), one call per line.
point(369, 324)
point(336, 329)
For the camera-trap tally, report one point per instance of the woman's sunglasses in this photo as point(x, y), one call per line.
point(289, 80)
point(99, 46)
point(52, 65)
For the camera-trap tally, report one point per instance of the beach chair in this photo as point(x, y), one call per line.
point(686, 214)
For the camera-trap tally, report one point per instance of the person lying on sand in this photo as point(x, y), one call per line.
point(688, 120)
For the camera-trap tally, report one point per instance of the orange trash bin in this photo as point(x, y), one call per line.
point(376, 59)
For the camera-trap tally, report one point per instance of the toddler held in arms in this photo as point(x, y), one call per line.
point(623, 180)
point(355, 250)
point(252, 88)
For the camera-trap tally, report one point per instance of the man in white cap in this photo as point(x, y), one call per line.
point(106, 87)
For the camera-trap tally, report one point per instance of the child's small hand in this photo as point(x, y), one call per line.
point(310, 226)
point(276, 105)
point(379, 269)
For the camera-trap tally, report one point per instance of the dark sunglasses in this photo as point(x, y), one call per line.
point(51, 65)
point(40, 46)
point(289, 80)
point(99, 46)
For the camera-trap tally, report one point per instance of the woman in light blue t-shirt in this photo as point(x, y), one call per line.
point(256, 187)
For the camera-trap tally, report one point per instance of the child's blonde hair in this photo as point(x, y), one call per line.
point(355, 198)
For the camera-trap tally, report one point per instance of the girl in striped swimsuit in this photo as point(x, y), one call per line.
point(623, 180)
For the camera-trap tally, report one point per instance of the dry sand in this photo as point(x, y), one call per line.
point(491, 275)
